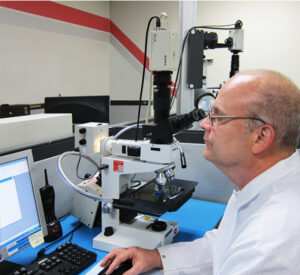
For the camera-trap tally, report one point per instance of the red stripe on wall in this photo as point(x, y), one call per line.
point(71, 15)
point(128, 44)
point(64, 13)
point(60, 12)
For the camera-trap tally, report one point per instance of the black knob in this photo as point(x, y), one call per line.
point(108, 231)
point(159, 226)
point(82, 130)
point(87, 175)
point(82, 141)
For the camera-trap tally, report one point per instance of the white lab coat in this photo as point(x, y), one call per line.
point(259, 233)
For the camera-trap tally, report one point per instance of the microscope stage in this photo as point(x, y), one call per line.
point(148, 200)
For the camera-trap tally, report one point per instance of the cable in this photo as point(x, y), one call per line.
point(43, 250)
point(77, 169)
point(125, 130)
point(179, 67)
point(214, 28)
point(149, 99)
point(144, 68)
point(73, 186)
point(176, 89)
point(63, 237)
point(220, 26)
point(72, 233)
point(136, 182)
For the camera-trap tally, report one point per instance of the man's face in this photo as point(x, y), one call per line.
point(228, 142)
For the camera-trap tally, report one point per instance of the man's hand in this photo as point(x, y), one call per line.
point(143, 260)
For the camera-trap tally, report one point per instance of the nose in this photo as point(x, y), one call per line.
point(205, 124)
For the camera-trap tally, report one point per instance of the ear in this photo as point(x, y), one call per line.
point(264, 137)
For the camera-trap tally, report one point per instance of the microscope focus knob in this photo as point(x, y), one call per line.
point(108, 231)
point(159, 226)
point(107, 208)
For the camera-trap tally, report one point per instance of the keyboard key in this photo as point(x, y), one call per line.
point(66, 259)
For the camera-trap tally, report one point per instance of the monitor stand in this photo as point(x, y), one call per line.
point(8, 267)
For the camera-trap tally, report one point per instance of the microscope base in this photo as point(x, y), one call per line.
point(139, 233)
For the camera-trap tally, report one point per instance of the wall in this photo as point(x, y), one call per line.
point(47, 50)
point(271, 36)
point(41, 55)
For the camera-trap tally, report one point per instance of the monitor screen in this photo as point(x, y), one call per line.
point(18, 212)
point(83, 108)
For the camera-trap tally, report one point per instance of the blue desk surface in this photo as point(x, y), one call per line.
point(195, 217)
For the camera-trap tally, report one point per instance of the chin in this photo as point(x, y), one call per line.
point(206, 154)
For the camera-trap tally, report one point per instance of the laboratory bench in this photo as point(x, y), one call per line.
point(195, 217)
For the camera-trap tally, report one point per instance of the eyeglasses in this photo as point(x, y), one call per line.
point(214, 119)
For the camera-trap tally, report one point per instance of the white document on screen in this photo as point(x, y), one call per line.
point(10, 211)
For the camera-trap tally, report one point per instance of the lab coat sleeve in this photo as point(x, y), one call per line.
point(189, 257)
point(256, 261)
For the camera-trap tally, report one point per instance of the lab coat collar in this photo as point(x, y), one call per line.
point(266, 179)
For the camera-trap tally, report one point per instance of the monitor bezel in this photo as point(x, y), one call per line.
point(61, 104)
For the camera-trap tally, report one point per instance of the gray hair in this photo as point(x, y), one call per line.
point(278, 104)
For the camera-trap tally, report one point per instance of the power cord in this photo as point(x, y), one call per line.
point(78, 163)
point(77, 168)
point(42, 251)
point(144, 69)
point(134, 183)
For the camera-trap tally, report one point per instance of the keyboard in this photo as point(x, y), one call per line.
point(66, 259)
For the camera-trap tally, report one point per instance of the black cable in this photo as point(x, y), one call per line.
point(216, 27)
point(77, 170)
point(43, 250)
point(220, 26)
point(137, 183)
point(144, 68)
point(176, 87)
point(71, 236)
point(179, 67)
point(213, 28)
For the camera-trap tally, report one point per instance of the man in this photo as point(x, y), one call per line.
point(251, 134)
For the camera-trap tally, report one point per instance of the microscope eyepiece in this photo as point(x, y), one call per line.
point(185, 121)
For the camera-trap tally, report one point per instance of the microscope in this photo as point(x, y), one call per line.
point(137, 178)
point(132, 218)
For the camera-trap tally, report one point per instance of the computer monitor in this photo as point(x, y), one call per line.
point(19, 217)
point(83, 108)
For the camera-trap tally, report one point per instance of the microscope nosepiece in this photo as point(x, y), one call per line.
point(161, 179)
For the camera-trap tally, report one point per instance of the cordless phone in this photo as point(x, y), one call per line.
point(54, 230)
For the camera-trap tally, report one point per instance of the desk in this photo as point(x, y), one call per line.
point(195, 217)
